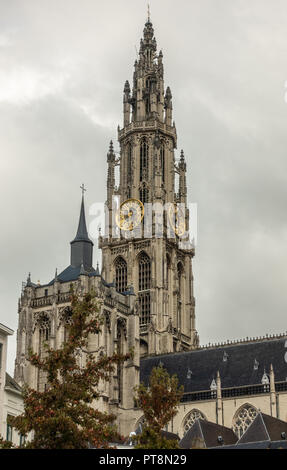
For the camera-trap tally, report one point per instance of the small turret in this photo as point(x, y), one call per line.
point(29, 283)
point(182, 190)
point(127, 106)
point(82, 246)
point(111, 181)
point(168, 106)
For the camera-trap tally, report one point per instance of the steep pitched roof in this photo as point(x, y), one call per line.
point(82, 232)
point(211, 434)
point(238, 365)
point(12, 384)
point(264, 428)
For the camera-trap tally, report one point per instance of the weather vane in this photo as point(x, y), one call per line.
point(83, 189)
point(148, 12)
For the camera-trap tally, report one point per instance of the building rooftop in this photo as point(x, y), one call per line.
point(239, 365)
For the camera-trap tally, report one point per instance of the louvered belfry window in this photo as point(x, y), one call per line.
point(144, 289)
point(121, 275)
point(144, 149)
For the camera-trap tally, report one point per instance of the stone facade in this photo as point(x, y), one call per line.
point(146, 283)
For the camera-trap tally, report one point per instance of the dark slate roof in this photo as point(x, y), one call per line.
point(237, 370)
point(210, 433)
point(71, 273)
point(264, 428)
point(170, 436)
point(11, 383)
point(257, 445)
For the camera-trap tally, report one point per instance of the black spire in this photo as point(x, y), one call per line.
point(82, 246)
point(82, 233)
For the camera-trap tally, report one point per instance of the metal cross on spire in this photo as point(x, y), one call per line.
point(83, 189)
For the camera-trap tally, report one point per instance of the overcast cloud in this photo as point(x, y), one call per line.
point(63, 64)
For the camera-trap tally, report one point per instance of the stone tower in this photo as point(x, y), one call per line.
point(44, 313)
point(157, 268)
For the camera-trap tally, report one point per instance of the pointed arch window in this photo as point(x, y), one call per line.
point(44, 338)
point(144, 151)
point(144, 288)
point(190, 419)
point(121, 275)
point(243, 418)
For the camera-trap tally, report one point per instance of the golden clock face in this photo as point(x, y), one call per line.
point(176, 216)
point(130, 214)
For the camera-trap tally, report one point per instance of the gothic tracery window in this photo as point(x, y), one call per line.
point(121, 275)
point(190, 419)
point(144, 286)
point(44, 325)
point(144, 150)
point(243, 418)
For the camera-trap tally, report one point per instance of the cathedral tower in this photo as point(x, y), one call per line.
point(157, 267)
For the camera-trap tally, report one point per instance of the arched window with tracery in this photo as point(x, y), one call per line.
point(144, 151)
point(121, 275)
point(190, 419)
point(144, 288)
point(65, 320)
point(140, 424)
point(243, 418)
point(44, 325)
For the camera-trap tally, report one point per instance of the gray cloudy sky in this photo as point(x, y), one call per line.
point(63, 64)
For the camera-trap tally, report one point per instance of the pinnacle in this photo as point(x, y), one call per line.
point(127, 88)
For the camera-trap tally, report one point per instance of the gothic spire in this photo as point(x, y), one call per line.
point(82, 233)
point(82, 246)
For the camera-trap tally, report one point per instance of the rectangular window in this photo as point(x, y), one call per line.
point(1, 348)
point(22, 440)
point(9, 430)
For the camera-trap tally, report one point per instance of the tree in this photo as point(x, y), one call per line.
point(159, 404)
point(5, 444)
point(62, 416)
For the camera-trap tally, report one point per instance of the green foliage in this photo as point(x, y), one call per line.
point(63, 416)
point(159, 403)
point(5, 444)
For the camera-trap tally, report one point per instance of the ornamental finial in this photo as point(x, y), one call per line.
point(83, 189)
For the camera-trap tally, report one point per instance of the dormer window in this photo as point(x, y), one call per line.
point(225, 356)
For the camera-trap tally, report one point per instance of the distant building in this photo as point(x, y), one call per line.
point(11, 400)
